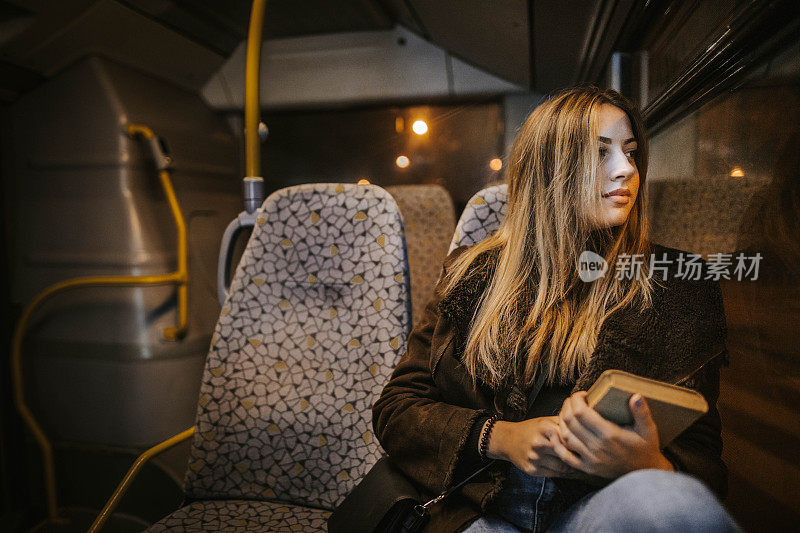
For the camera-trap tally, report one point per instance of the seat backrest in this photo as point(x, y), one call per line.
point(315, 321)
point(429, 219)
point(481, 217)
point(701, 216)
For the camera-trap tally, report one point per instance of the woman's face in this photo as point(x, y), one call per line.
point(618, 175)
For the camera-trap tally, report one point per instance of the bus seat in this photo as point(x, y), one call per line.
point(429, 219)
point(315, 321)
point(701, 216)
point(482, 216)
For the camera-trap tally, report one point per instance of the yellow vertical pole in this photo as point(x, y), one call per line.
point(251, 88)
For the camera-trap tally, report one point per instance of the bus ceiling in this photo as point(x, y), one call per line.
point(539, 45)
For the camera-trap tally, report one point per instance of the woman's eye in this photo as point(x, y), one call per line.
point(603, 152)
point(630, 153)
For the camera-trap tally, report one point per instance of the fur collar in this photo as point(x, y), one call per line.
point(678, 334)
point(461, 303)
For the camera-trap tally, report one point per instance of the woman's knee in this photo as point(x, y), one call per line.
point(652, 500)
point(661, 481)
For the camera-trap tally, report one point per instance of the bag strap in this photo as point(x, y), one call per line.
point(449, 491)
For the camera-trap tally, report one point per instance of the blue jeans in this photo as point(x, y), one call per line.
point(640, 501)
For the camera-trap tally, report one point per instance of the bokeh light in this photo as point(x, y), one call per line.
point(420, 127)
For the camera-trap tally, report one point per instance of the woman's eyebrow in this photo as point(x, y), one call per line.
point(608, 141)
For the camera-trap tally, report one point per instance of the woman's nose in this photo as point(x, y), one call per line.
point(622, 168)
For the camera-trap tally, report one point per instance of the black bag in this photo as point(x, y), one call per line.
point(386, 501)
point(382, 501)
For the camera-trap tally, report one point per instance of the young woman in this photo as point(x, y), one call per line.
point(514, 308)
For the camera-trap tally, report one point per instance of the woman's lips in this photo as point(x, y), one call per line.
point(618, 199)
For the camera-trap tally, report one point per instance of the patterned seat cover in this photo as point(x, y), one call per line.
point(316, 319)
point(429, 218)
point(237, 516)
point(482, 216)
point(703, 216)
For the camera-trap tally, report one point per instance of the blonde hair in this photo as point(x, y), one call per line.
point(536, 312)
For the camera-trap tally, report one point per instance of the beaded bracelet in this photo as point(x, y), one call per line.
point(484, 444)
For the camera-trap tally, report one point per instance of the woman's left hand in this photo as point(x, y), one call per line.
point(590, 443)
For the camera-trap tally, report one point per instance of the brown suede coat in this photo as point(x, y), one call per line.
point(426, 410)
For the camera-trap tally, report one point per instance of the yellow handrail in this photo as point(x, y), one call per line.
point(179, 277)
point(132, 472)
point(252, 150)
point(173, 333)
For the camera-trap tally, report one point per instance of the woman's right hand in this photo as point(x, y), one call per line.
point(527, 445)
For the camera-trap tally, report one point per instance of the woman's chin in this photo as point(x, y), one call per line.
point(611, 222)
point(616, 218)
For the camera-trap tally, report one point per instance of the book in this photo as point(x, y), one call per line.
point(673, 408)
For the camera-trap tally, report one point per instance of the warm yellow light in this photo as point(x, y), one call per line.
point(420, 127)
point(402, 161)
point(399, 124)
point(496, 164)
point(363, 181)
point(737, 172)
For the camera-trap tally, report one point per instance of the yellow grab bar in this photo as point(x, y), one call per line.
point(182, 274)
point(112, 503)
point(252, 150)
point(180, 277)
point(172, 333)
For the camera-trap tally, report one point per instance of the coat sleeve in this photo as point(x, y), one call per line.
point(423, 435)
point(698, 450)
